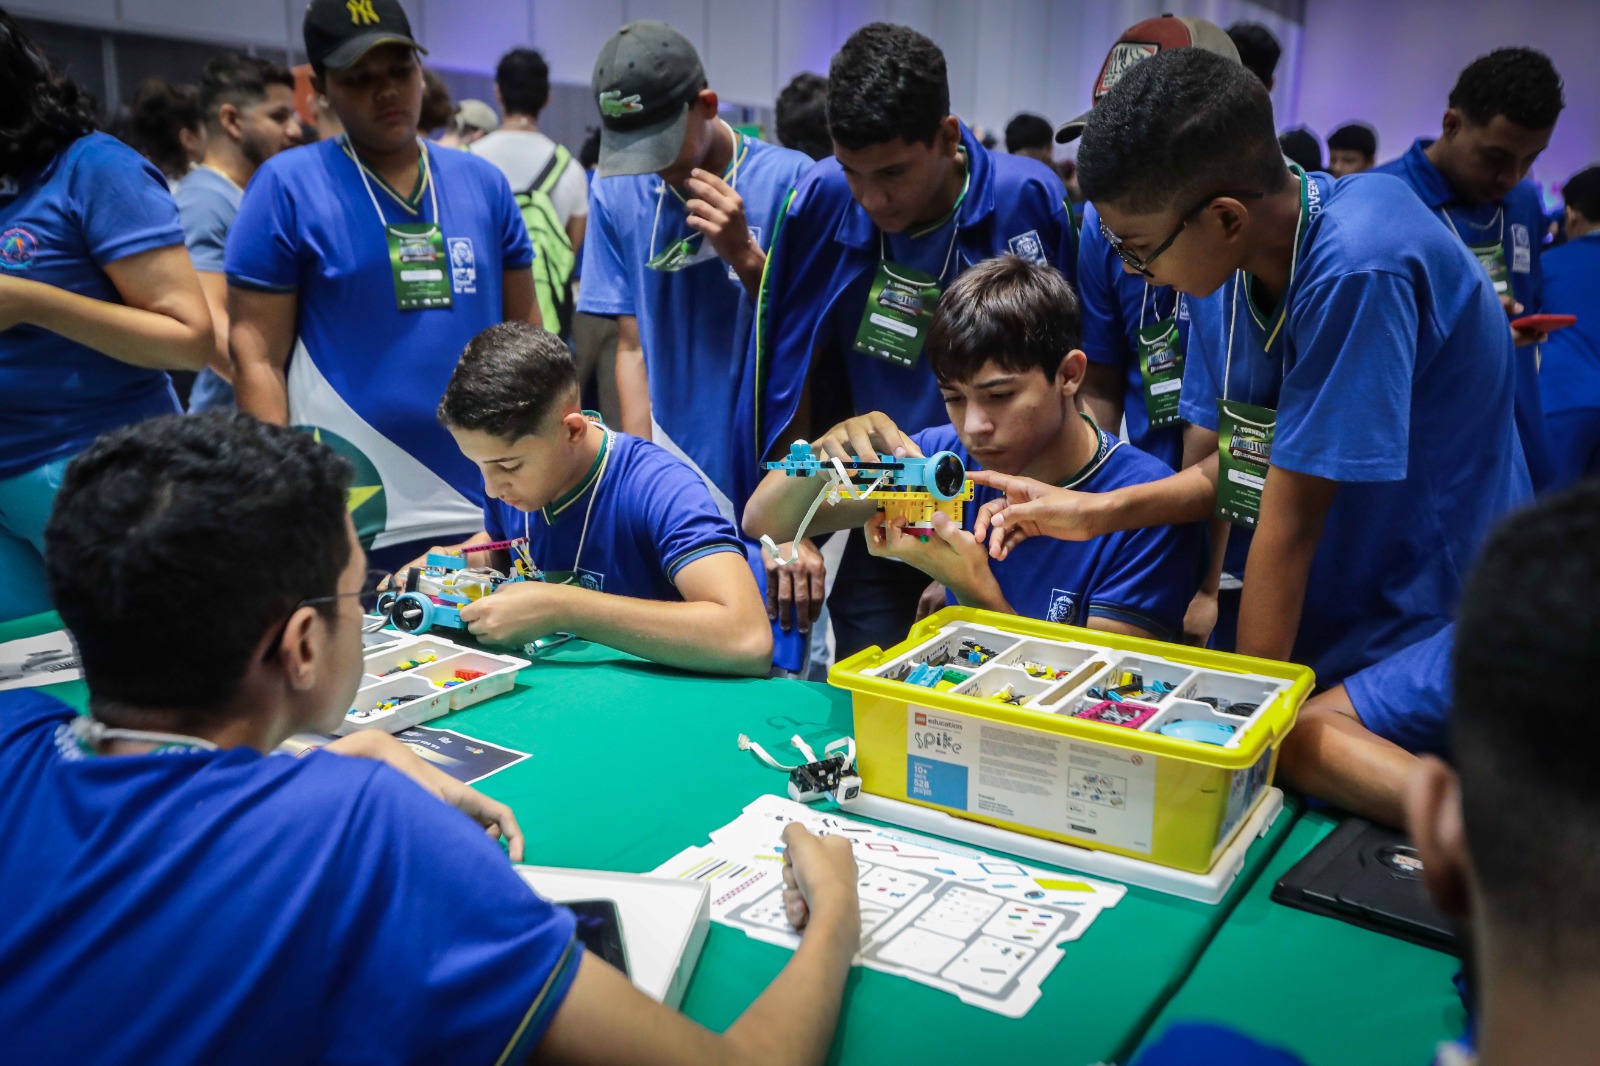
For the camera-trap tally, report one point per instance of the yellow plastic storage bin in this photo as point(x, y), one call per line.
point(998, 740)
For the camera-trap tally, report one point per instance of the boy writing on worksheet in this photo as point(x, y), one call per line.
point(634, 553)
point(1003, 346)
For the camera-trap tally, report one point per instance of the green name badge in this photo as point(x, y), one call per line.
point(1161, 364)
point(421, 271)
point(1492, 257)
point(681, 255)
point(894, 324)
point(1244, 448)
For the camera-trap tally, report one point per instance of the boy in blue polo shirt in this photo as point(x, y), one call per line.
point(330, 908)
point(680, 214)
point(1569, 377)
point(1474, 178)
point(1358, 367)
point(634, 553)
point(866, 243)
point(1004, 346)
point(357, 268)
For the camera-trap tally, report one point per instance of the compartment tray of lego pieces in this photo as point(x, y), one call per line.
point(979, 926)
point(414, 680)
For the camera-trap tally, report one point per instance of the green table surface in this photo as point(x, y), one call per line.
point(1332, 993)
point(632, 762)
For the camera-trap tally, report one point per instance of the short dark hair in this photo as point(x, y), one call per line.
point(589, 151)
point(161, 112)
point(437, 108)
point(1178, 126)
point(1301, 145)
point(41, 109)
point(1582, 193)
point(239, 80)
point(1519, 83)
point(887, 83)
point(508, 380)
point(1258, 49)
point(1029, 131)
point(802, 115)
point(1354, 137)
point(1530, 612)
point(1021, 314)
point(177, 543)
point(523, 78)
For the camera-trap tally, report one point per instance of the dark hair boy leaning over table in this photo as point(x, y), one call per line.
point(218, 904)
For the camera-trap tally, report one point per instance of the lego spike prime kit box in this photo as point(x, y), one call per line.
point(1151, 750)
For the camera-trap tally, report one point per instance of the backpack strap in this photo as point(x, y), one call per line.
point(555, 165)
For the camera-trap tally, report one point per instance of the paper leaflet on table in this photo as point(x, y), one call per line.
point(47, 659)
point(979, 926)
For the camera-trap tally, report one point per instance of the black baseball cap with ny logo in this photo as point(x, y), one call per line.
point(643, 82)
point(339, 32)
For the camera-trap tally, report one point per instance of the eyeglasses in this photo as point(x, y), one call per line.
point(1142, 265)
point(373, 586)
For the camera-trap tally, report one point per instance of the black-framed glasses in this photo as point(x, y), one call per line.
point(1142, 264)
point(373, 585)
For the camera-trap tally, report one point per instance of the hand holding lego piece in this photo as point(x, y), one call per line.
point(948, 554)
point(519, 612)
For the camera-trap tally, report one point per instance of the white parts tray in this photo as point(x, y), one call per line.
point(664, 921)
point(394, 668)
point(1209, 887)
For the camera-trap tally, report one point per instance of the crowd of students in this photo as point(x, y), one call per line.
point(1208, 395)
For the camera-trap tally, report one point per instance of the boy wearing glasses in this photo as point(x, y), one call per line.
point(1355, 366)
point(633, 552)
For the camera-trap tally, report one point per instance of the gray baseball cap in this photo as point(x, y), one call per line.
point(643, 82)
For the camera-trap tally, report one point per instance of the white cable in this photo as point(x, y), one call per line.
point(803, 748)
point(746, 744)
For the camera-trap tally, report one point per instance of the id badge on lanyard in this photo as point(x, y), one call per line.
point(1492, 257)
point(1161, 367)
point(416, 256)
point(1244, 450)
point(894, 324)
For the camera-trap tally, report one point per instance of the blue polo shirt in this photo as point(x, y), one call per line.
point(694, 324)
point(1517, 224)
point(1569, 377)
point(1115, 305)
point(827, 252)
point(365, 375)
point(640, 516)
point(1406, 698)
point(1389, 365)
point(273, 909)
point(207, 204)
point(1145, 577)
point(96, 202)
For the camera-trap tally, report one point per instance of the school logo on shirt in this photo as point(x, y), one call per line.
point(1063, 607)
point(1028, 246)
point(365, 500)
point(592, 580)
point(17, 249)
point(463, 265)
point(1124, 55)
point(1521, 249)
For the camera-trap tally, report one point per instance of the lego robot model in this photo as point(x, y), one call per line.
point(913, 488)
point(434, 593)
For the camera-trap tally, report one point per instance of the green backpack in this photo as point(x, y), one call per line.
point(555, 261)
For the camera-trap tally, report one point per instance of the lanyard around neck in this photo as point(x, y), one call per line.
point(427, 178)
point(1498, 219)
point(1240, 279)
point(737, 141)
point(588, 511)
point(90, 733)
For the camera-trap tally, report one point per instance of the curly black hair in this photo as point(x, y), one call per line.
point(887, 83)
point(1519, 83)
point(175, 545)
point(41, 110)
point(802, 116)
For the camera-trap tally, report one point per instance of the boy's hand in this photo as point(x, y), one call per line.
point(951, 556)
point(795, 593)
point(494, 816)
point(1030, 509)
point(1520, 337)
point(819, 883)
point(868, 437)
point(933, 599)
point(420, 561)
point(520, 612)
point(717, 211)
